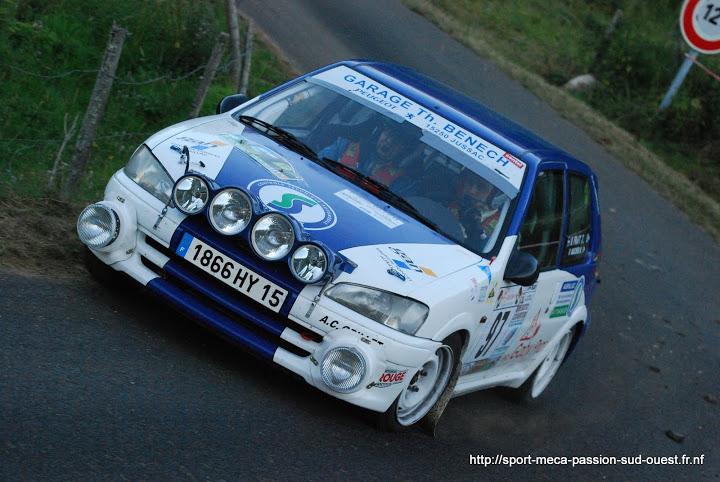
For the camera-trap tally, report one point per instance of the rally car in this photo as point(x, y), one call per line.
point(386, 238)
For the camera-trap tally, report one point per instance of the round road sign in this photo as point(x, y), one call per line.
point(700, 25)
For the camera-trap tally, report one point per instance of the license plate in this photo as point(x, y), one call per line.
point(232, 273)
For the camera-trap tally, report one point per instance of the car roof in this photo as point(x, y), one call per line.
point(464, 111)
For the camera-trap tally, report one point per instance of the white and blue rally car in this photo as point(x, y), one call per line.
point(386, 238)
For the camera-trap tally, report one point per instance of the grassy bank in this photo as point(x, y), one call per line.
point(50, 52)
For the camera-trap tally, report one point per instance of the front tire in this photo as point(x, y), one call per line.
point(426, 388)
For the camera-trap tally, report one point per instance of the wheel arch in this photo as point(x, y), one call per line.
point(579, 332)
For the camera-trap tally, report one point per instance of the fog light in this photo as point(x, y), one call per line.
point(98, 226)
point(343, 369)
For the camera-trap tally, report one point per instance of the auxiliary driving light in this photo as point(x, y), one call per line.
point(190, 194)
point(98, 226)
point(230, 211)
point(343, 369)
point(309, 263)
point(272, 236)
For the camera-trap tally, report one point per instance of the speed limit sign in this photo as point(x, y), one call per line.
point(700, 25)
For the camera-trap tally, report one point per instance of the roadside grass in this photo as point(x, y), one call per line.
point(549, 43)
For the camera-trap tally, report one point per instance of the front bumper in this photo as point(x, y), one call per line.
point(297, 338)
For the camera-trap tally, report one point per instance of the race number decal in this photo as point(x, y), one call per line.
point(494, 332)
point(510, 310)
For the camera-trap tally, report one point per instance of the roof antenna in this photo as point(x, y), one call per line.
point(185, 156)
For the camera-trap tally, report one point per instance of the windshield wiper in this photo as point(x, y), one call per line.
point(279, 135)
point(377, 188)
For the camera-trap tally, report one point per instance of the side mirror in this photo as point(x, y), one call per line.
point(522, 268)
point(230, 102)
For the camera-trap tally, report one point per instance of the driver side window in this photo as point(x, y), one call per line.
point(542, 227)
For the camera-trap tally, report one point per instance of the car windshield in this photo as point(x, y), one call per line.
point(460, 182)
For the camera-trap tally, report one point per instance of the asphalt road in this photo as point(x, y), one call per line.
point(98, 385)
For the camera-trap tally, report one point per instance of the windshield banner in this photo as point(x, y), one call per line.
point(505, 170)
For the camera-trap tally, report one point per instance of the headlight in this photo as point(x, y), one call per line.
point(397, 312)
point(309, 263)
point(343, 369)
point(191, 194)
point(230, 211)
point(149, 174)
point(98, 226)
point(272, 236)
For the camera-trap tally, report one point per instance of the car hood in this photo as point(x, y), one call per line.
point(389, 247)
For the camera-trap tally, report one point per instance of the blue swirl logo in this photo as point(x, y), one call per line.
point(292, 203)
point(311, 211)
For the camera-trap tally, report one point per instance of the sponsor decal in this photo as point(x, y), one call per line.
point(524, 350)
point(478, 291)
point(576, 295)
point(475, 366)
point(516, 296)
point(390, 377)
point(406, 263)
point(201, 147)
point(568, 298)
point(396, 273)
point(398, 259)
point(493, 292)
point(510, 334)
point(369, 208)
point(306, 207)
point(338, 325)
point(532, 329)
point(439, 131)
point(486, 270)
point(577, 245)
point(266, 157)
point(514, 160)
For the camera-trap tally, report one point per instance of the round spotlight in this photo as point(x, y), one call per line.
point(309, 263)
point(343, 369)
point(272, 236)
point(98, 226)
point(191, 194)
point(230, 211)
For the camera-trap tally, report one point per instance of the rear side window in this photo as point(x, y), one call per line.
point(542, 227)
point(579, 228)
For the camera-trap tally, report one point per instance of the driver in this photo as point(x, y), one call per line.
point(477, 208)
point(379, 157)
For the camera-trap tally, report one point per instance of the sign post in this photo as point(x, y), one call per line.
point(700, 27)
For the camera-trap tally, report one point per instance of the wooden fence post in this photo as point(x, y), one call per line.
point(208, 74)
point(605, 42)
point(235, 60)
point(68, 135)
point(95, 111)
point(248, 58)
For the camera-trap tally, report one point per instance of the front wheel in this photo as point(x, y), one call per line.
point(426, 388)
